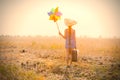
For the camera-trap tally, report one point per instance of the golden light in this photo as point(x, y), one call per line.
point(30, 18)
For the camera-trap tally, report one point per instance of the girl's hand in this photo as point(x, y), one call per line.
point(59, 33)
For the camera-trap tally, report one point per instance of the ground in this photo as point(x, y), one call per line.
point(43, 58)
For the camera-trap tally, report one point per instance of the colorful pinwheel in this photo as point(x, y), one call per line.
point(55, 15)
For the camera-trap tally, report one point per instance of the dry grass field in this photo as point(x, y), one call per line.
point(43, 58)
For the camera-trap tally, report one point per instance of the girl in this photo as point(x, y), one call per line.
point(70, 37)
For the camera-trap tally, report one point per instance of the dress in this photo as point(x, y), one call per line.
point(72, 43)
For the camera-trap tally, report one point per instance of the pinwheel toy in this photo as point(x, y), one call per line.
point(55, 15)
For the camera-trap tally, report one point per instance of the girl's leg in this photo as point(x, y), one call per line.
point(70, 57)
point(67, 56)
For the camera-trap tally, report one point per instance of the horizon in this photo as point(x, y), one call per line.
point(99, 37)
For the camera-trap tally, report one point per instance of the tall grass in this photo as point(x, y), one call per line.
point(13, 72)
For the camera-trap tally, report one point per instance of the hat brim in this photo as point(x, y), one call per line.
point(69, 22)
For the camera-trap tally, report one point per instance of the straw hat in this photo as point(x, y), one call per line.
point(69, 22)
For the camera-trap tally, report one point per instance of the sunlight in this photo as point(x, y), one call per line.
point(30, 18)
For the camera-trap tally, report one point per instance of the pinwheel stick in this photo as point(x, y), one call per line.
point(57, 27)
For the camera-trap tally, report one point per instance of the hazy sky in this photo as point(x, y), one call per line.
point(29, 17)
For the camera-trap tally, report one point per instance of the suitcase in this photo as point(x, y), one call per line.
point(74, 55)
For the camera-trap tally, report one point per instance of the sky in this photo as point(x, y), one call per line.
point(29, 17)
